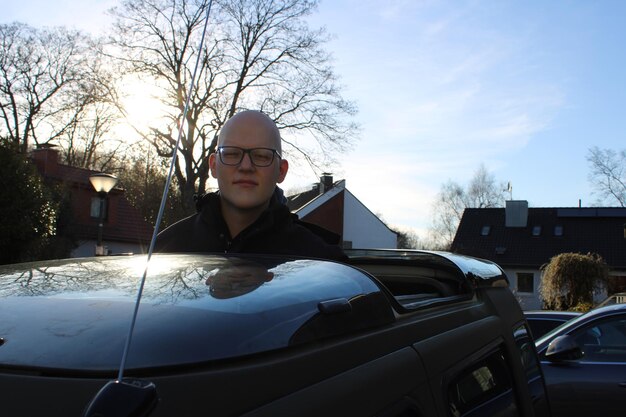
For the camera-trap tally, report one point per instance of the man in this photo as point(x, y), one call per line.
point(237, 278)
point(248, 213)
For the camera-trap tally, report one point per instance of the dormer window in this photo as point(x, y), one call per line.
point(558, 230)
point(485, 231)
point(536, 230)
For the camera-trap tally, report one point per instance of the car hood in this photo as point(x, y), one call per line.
point(74, 315)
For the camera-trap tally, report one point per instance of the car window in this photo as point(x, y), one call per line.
point(539, 327)
point(484, 388)
point(528, 355)
point(530, 363)
point(603, 341)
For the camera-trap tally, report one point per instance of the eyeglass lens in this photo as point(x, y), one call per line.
point(232, 155)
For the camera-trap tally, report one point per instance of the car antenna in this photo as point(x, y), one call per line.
point(134, 397)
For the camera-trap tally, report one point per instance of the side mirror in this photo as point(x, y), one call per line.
point(563, 348)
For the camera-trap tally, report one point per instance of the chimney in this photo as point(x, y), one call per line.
point(46, 158)
point(326, 182)
point(516, 213)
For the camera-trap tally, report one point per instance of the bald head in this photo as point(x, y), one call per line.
point(252, 124)
point(247, 188)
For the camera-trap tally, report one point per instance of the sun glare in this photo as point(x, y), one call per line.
point(156, 266)
point(142, 105)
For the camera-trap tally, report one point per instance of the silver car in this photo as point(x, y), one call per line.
point(584, 363)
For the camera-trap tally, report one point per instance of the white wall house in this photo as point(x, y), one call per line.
point(522, 239)
point(331, 205)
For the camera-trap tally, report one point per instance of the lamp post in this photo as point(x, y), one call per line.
point(102, 183)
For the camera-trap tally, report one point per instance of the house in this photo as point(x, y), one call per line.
point(329, 204)
point(124, 230)
point(522, 239)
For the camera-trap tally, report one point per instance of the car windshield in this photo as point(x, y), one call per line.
point(563, 328)
point(548, 336)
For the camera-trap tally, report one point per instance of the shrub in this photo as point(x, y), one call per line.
point(570, 280)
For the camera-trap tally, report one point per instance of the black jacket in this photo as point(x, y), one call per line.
point(276, 231)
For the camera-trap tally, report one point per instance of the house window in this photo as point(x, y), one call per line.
point(95, 208)
point(558, 230)
point(485, 230)
point(347, 244)
point(536, 230)
point(525, 282)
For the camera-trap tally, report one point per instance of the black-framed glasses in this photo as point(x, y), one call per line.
point(260, 157)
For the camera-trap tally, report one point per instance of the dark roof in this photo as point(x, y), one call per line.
point(46, 159)
point(584, 230)
point(71, 174)
point(296, 201)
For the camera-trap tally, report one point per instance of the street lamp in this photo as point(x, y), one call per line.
point(102, 183)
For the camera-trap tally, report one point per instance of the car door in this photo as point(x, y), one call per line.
point(394, 385)
point(470, 371)
point(595, 384)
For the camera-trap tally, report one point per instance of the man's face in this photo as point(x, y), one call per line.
point(246, 186)
point(233, 281)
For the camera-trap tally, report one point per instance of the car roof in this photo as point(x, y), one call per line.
point(479, 272)
point(551, 314)
point(74, 314)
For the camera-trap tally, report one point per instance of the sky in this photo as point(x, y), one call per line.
point(442, 86)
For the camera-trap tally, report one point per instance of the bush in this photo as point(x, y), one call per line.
point(27, 209)
point(570, 280)
point(582, 307)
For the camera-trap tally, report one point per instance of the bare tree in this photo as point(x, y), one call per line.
point(44, 75)
point(407, 238)
point(482, 192)
point(89, 139)
point(259, 54)
point(608, 174)
point(143, 177)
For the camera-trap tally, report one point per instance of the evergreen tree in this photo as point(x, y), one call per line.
point(28, 210)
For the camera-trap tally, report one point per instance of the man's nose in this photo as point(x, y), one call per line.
point(246, 162)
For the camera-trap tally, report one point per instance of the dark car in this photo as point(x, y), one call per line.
point(543, 321)
point(584, 363)
point(393, 334)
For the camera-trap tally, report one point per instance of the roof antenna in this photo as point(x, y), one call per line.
point(134, 397)
point(509, 189)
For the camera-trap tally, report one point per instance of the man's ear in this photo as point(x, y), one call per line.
point(283, 167)
point(212, 165)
